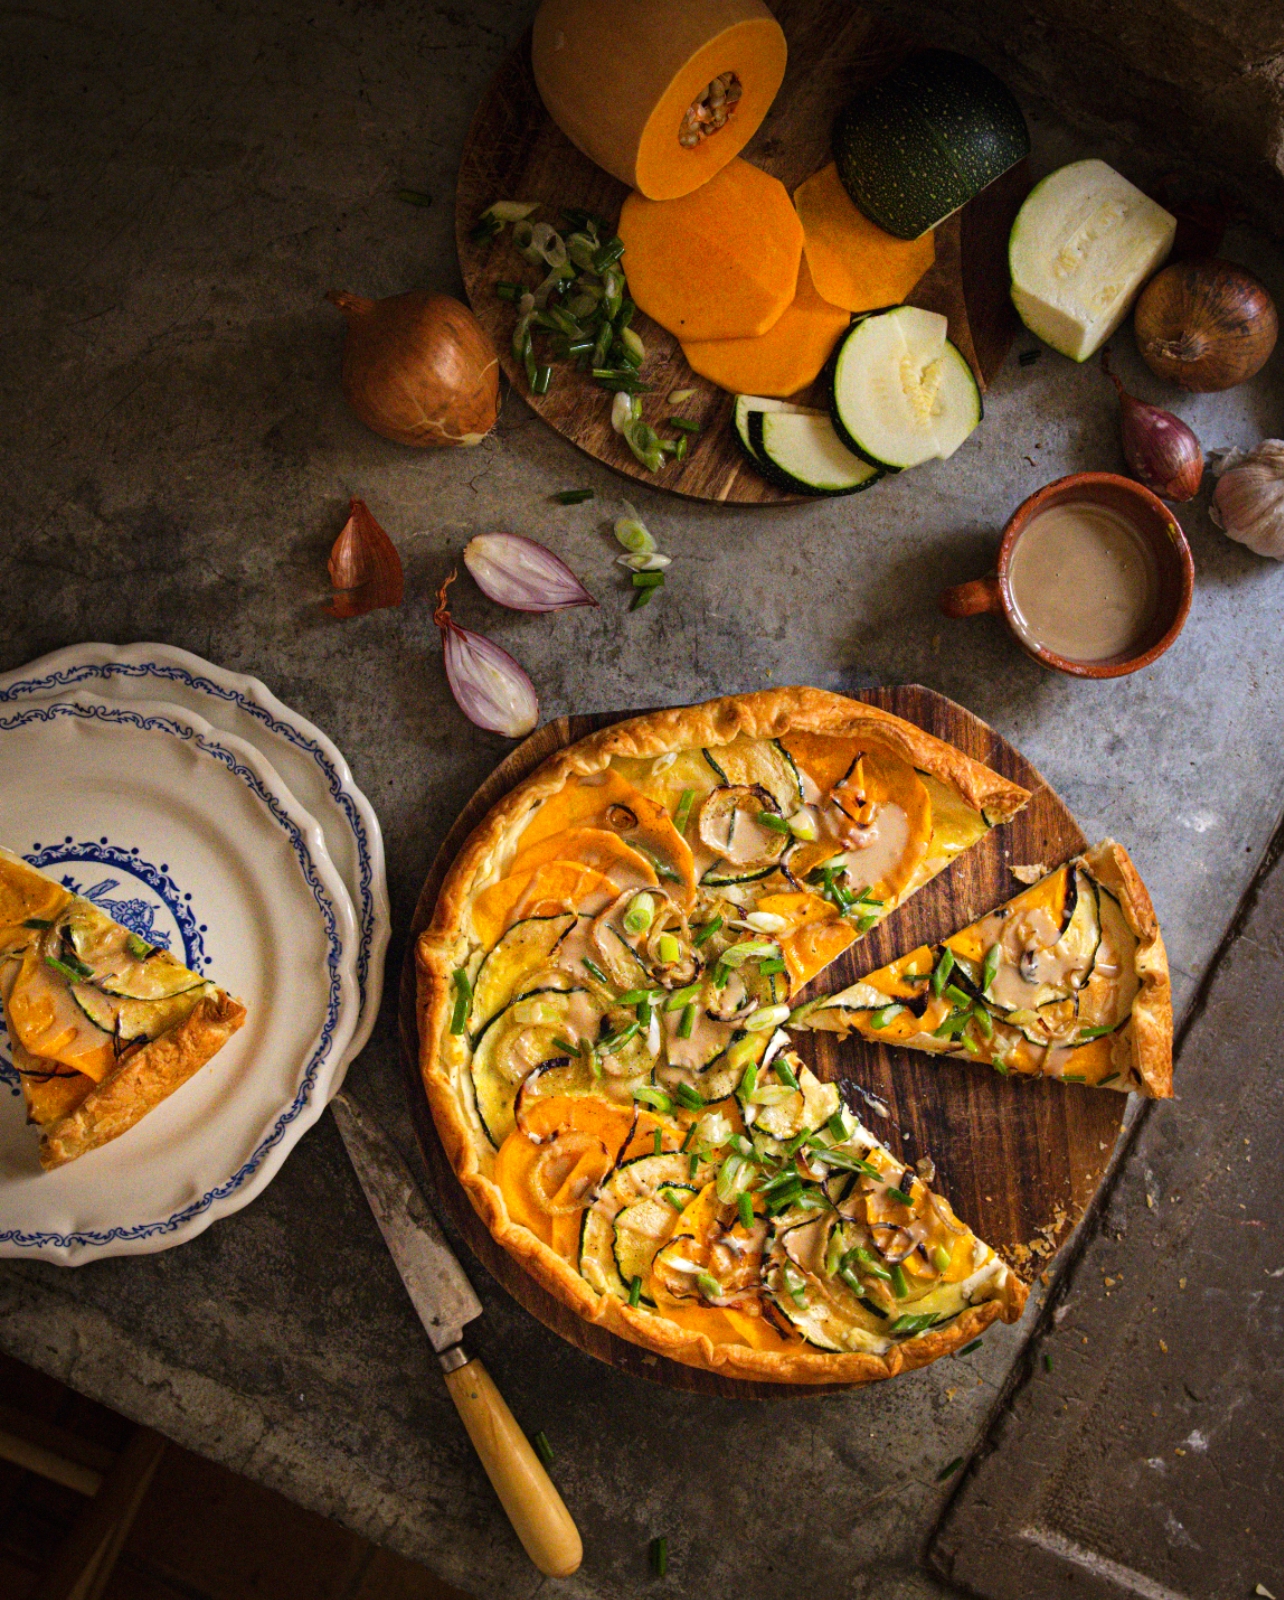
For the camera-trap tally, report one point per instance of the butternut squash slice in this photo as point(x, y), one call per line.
point(854, 264)
point(786, 358)
point(721, 263)
point(541, 1182)
point(542, 891)
point(623, 80)
point(598, 848)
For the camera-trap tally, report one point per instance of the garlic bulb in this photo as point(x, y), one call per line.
point(1248, 501)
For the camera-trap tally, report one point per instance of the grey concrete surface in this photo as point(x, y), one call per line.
point(185, 183)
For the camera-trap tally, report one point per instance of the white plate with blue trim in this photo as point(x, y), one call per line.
point(306, 759)
point(187, 835)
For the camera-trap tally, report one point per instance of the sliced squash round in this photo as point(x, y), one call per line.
point(622, 81)
point(721, 263)
point(805, 455)
point(789, 356)
point(853, 262)
point(747, 404)
point(902, 393)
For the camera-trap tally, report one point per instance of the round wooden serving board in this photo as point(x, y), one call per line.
point(514, 151)
point(1018, 1160)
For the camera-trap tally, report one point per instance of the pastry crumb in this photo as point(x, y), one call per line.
point(1029, 872)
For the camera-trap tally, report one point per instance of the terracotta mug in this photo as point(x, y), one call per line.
point(1147, 515)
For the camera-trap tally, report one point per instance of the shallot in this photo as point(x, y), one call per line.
point(365, 569)
point(1161, 451)
point(490, 688)
point(523, 574)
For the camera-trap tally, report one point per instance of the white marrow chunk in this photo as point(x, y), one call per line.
point(903, 394)
point(1082, 246)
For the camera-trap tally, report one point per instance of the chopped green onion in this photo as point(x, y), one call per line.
point(941, 1258)
point(644, 1012)
point(682, 815)
point(635, 997)
point(648, 1095)
point(633, 536)
point(566, 1047)
point(463, 999)
point(647, 580)
point(770, 968)
point(865, 923)
point(680, 396)
point(1102, 1082)
point(708, 1286)
point(769, 819)
point(899, 1195)
point(414, 197)
point(680, 449)
point(1096, 1033)
point(911, 1323)
point(721, 975)
point(684, 1093)
point(693, 1162)
point(573, 497)
point(675, 1198)
point(734, 1174)
point(900, 1286)
point(960, 997)
point(658, 1143)
point(949, 1469)
point(765, 1017)
point(594, 971)
point(685, 424)
point(837, 1127)
point(708, 931)
point(486, 228)
point(641, 913)
point(990, 968)
point(138, 948)
point(635, 1291)
point(872, 1266)
point(1047, 1361)
point(968, 1348)
point(942, 970)
point(634, 349)
point(687, 1024)
point(512, 292)
point(786, 1073)
point(669, 950)
point(803, 826)
point(748, 1081)
point(37, 922)
point(795, 1284)
point(679, 998)
point(543, 377)
point(609, 254)
point(1073, 1077)
point(744, 1204)
point(687, 1138)
point(747, 950)
point(984, 1021)
point(659, 1550)
point(614, 1041)
point(969, 1044)
point(884, 1015)
point(543, 1449)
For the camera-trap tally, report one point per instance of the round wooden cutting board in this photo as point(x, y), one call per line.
point(514, 151)
point(1018, 1160)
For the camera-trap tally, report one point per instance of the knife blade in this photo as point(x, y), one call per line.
point(434, 1280)
point(445, 1301)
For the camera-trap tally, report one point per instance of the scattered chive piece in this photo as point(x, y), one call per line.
point(659, 1143)
point(634, 997)
point(900, 1286)
point(709, 929)
point(37, 922)
point(680, 450)
point(950, 1467)
point(614, 1041)
point(749, 1080)
point(594, 971)
point(682, 816)
point(573, 497)
point(941, 973)
point(708, 1285)
point(837, 1127)
point(1073, 1077)
point(744, 1204)
point(968, 1348)
point(648, 1095)
point(899, 1195)
point(1096, 1033)
point(771, 967)
point(565, 1046)
point(647, 580)
point(674, 1199)
point(786, 1074)
point(684, 423)
point(989, 971)
point(984, 1021)
point(769, 819)
point(684, 1094)
point(543, 377)
point(463, 999)
point(687, 1138)
point(414, 197)
point(669, 951)
point(543, 1449)
point(680, 998)
point(659, 1547)
point(688, 1021)
point(644, 1012)
point(680, 396)
point(960, 997)
point(883, 1016)
point(1047, 1361)
point(693, 1162)
point(635, 1291)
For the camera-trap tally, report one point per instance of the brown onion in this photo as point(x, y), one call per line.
point(1161, 451)
point(1205, 324)
point(419, 368)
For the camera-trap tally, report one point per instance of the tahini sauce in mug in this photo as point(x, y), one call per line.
point(1083, 582)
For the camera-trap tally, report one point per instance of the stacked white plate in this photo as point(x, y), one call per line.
point(197, 810)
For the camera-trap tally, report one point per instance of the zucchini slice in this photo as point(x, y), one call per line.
point(94, 1005)
point(902, 393)
point(510, 1048)
point(521, 951)
point(802, 452)
point(747, 404)
point(764, 762)
point(631, 1183)
point(643, 1228)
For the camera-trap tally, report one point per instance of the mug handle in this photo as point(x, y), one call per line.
point(972, 599)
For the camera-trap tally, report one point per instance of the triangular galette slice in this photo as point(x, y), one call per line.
point(103, 1025)
point(1068, 980)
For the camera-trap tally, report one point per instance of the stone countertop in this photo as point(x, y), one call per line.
point(187, 184)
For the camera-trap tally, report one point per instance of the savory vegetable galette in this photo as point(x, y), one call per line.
point(102, 1025)
point(605, 994)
